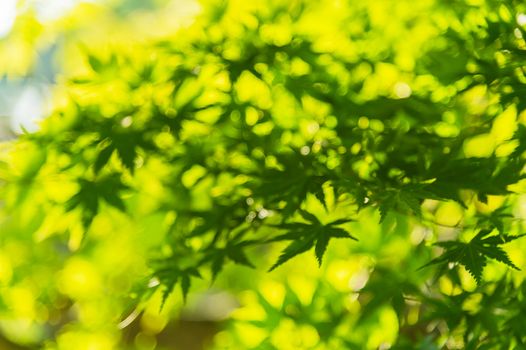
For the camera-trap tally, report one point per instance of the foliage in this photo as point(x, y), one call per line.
point(261, 132)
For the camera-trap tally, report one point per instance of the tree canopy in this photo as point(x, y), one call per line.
point(347, 172)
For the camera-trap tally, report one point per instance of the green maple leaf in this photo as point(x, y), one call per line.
point(475, 254)
point(107, 189)
point(406, 199)
point(486, 176)
point(169, 275)
point(304, 236)
point(295, 248)
point(125, 143)
point(297, 178)
point(233, 252)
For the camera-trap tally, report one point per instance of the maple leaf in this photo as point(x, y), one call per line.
point(486, 176)
point(91, 193)
point(124, 142)
point(232, 251)
point(293, 182)
point(304, 236)
point(408, 199)
point(474, 254)
point(169, 275)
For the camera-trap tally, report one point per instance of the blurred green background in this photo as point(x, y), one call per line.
point(63, 289)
